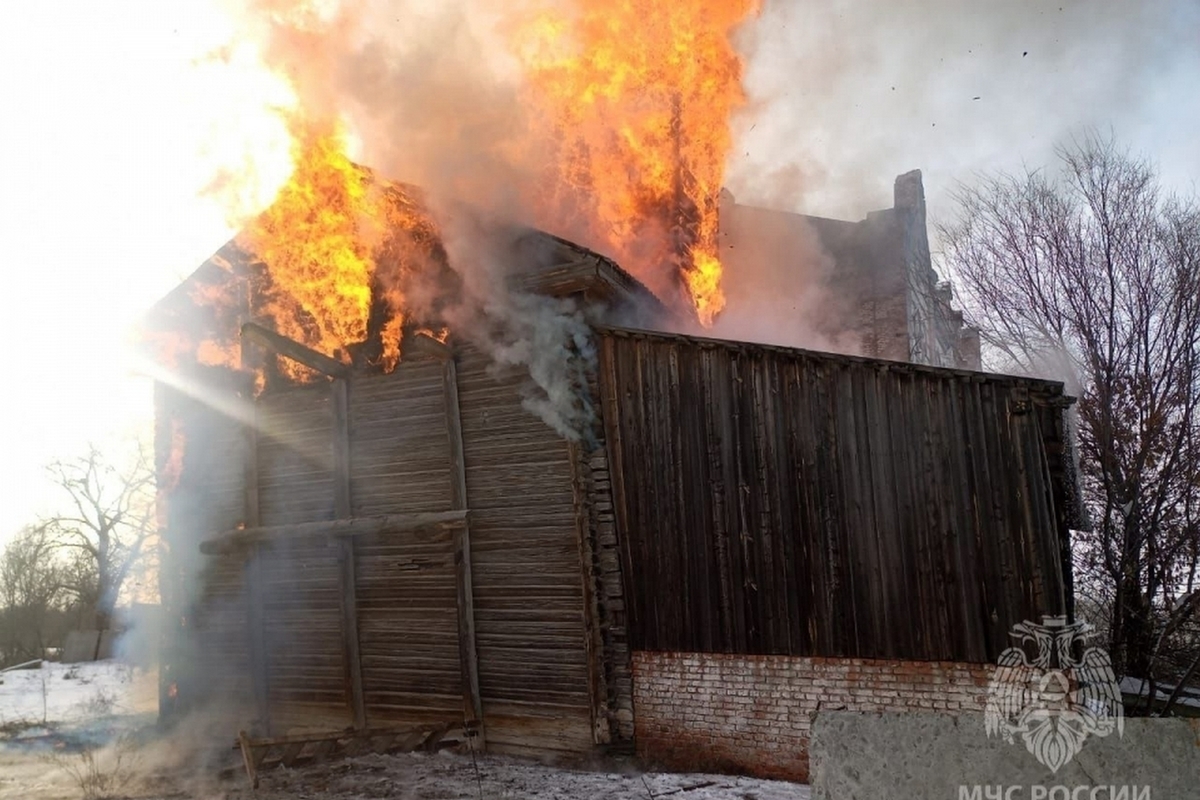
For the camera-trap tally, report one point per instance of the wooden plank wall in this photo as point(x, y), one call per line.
point(407, 606)
point(295, 456)
point(525, 571)
point(300, 617)
point(206, 652)
point(782, 502)
point(525, 550)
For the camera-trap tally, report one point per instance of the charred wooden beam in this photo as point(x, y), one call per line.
point(295, 351)
point(468, 657)
point(260, 755)
point(422, 345)
point(355, 526)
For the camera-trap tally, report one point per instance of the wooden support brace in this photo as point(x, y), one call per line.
point(346, 559)
point(254, 588)
point(468, 657)
point(338, 528)
point(248, 759)
point(295, 351)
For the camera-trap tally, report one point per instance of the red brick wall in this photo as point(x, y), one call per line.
point(731, 713)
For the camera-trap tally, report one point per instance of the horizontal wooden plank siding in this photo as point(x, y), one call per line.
point(302, 634)
point(399, 452)
point(206, 644)
point(527, 581)
point(777, 501)
point(407, 606)
point(295, 455)
point(408, 629)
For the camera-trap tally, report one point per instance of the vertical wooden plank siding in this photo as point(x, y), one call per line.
point(485, 624)
point(775, 501)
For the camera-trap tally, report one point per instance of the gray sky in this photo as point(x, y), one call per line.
point(114, 122)
point(846, 95)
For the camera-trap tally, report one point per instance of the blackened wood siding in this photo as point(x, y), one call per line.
point(775, 501)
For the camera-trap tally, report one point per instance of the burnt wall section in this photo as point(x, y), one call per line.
point(709, 712)
point(200, 447)
point(775, 501)
point(528, 586)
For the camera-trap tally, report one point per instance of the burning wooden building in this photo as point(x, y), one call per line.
point(411, 546)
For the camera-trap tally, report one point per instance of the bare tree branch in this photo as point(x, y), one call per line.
point(1093, 277)
point(112, 520)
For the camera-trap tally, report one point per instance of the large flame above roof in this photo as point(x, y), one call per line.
point(637, 95)
point(630, 100)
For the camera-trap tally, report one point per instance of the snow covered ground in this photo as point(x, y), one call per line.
point(50, 716)
point(65, 694)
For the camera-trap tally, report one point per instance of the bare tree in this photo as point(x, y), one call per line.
point(109, 524)
point(31, 585)
point(1092, 275)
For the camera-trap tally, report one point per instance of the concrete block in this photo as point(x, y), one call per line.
point(80, 646)
point(899, 756)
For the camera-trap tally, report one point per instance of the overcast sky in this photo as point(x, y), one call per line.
point(114, 121)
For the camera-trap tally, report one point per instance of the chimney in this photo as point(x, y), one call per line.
point(909, 192)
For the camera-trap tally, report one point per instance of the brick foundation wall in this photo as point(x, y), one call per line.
point(751, 714)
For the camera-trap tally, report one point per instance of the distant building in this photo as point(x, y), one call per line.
point(889, 297)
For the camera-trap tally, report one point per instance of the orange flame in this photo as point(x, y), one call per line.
point(633, 99)
point(333, 245)
point(172, 470)
point(317, 240)
point(637, 96)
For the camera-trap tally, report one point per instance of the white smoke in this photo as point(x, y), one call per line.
point(547, 336)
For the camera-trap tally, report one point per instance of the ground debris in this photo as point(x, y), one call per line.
point(450, 776)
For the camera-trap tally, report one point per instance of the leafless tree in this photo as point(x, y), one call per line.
point(1091, 274)
point(110, 522)
point(31, 585)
